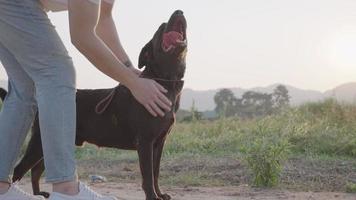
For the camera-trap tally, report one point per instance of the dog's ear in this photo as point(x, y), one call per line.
point(146, 55)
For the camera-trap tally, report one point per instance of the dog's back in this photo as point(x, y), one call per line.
point(109, 128)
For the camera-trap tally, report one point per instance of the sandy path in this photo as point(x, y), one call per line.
point(133, 192)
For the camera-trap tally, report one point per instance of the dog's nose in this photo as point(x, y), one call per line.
point(178, 12)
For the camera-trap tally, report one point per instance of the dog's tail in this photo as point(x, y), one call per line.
point(3, 94)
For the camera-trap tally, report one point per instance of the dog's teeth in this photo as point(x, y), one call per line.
point(182, 42)
point(168, 49)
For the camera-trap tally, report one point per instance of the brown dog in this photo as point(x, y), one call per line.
point(119, 121)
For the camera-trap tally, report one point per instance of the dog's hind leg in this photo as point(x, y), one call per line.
point(157, 153)
point(33, 154)
point(36, 173)
point(3, 94)
point(145, 153)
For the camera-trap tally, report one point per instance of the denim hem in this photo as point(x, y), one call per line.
point(62, 179)
point(6, 180)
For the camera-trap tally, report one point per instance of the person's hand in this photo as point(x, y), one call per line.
point(150, 94)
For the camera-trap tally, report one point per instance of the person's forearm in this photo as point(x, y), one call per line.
point(83, 21)
point(107, 32)
point(83, 17)
point(93, 48)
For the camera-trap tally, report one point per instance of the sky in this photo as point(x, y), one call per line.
point(310, 44)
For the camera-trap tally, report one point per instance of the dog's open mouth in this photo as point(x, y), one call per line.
point(174, 35)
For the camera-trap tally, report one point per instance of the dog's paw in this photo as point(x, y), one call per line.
point(165, 197)
point(44, 194)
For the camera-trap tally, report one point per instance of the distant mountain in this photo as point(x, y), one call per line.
point(298, 96)
point(204, 100)
point(343, 93)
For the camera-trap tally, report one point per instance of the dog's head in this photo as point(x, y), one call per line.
point(164, 56)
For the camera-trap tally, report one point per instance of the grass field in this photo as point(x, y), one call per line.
point(314, 145)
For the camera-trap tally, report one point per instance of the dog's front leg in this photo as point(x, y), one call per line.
point(145, 153)
point(36, 173)
point(157, 153)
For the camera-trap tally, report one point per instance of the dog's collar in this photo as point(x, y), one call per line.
point(162, 79)
point(166, 80)
point(150, 73)
point(175, 85)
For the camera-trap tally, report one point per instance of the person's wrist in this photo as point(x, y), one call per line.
point(128, 63)
point(132, 82)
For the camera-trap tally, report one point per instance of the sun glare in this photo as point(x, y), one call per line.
point(343, 51)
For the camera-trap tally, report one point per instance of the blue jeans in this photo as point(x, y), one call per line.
point(41, 78)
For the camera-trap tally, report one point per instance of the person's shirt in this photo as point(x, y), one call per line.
point(59, 5)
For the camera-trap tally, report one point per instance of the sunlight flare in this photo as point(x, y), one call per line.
point(342, 52)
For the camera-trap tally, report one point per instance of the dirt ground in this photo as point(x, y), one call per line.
point(299, 175)
point(133, 192)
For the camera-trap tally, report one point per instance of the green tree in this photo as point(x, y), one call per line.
point(253, 104)
point(281, 97)
point(226, 103)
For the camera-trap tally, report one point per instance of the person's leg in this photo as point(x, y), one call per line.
point(26, 31)
point(16, 115)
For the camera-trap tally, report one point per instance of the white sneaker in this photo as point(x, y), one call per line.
point(85, 193)
point(15, 193)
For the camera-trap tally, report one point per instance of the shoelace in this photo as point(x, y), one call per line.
point(90, 191)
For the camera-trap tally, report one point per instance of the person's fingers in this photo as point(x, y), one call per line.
point(163, 105)
point(156, 109)
point(150, 110)
point(162, 96)
point(160, 87)
point(164, 99)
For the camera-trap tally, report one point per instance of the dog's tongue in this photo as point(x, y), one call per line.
point(171, 38)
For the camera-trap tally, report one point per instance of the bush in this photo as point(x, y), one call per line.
point(264, 152)
point(323, 128)
point(351, 187)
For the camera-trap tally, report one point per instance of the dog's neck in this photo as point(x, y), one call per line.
point(170, 83)
point(148, 72)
